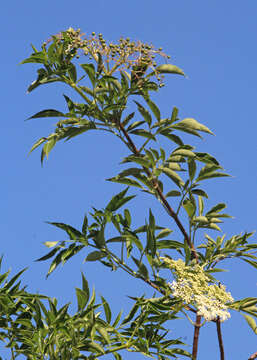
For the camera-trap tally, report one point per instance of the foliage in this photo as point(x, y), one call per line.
point(115, 88)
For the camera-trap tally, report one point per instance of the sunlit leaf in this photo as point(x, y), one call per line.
point(169, 69)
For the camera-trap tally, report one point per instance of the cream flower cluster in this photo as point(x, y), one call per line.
point(194, 287)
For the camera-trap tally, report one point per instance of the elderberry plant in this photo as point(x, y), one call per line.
point(116, 88)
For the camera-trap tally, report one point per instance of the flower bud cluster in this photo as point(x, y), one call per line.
point(194, 287)
point(125, 54)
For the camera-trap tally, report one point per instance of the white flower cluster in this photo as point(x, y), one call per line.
point(194, 287)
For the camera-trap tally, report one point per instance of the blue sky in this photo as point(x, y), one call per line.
point(214, 42)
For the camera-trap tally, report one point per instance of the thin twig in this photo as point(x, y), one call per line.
point(221, 346)
point(196, 336)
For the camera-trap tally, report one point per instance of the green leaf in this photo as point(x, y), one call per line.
point(173, 176)
point(107, 310)
point(90, 70)
point(183, 152)
point(206, 158)
point(39, 57)
point(95, 255)
point(201, 219)
point(212, 175)
point(176, 139)
point(251, 322)
point(141, 268)
point(191, 125)
point(37, 144)
point(73, 233)
point(145, 113)
point(163, 233)
point(189, 207)
point(47, 113)
point(82, 298)
point(200, 205)
point(217, 208)
point(85, 286)
point(131, 314)
point(48, 147)
point(169, 244)
point(174, 114)
point(191, 168)
point(99, 239)
point(50, 244)
point(134, 125)
point(118, 200)
point(169, 69)
point(125, 181)
point(116, 321)
point(154, 108)
point(199, 192)
point(72, 72)
point(49, 255)
point(173, 193)
point(85, 224)
point(127, 119)
point(138, 160)
point(144, 133)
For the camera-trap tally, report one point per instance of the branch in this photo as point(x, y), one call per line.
point(165, 203)
point(221, 346)
point(253, 356)
point(196, 336)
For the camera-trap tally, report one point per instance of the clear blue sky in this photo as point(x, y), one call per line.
point(215, 43)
